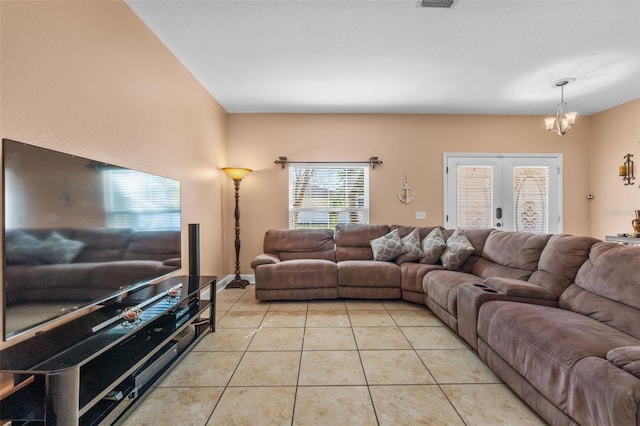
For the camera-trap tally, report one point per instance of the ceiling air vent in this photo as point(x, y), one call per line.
point(436, 3)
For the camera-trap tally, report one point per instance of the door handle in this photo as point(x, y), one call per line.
point(499, 213)
point(498, 225)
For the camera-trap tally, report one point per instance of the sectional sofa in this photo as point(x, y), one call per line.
point(557, 317)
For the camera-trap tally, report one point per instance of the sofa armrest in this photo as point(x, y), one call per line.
point(519, 288)
point(264, 259)
point(174, 262)
point(627, 358)
point(472, 296)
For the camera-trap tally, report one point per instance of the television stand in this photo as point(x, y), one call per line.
point(95, 369)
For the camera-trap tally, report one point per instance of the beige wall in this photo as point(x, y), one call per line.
point(411, 145)
point(615, 133)
point(89, 78)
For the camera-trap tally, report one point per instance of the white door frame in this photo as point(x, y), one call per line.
point(487, 156)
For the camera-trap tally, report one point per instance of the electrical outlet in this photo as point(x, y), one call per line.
point(421, 215)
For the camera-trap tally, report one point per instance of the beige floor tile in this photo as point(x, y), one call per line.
point(457, 366)
point(370, 319)
point(250, 306)
point(277, 339)
point(226, 339)
point(380, 338)
point(365, 305)
point(423, 318)
point(413, 405)
point(240, 320)
point(330, 338)
point(433, 338)
point(267, 369)
point(248, 406)
point(326, 305)
point(395, 367)
point(229, 295)
point(490, 404)
point(330, 368)
point(333, 406)
point(223, 306)
point(183, 406)
point(283, 306)
point(401, 305)
point(284, 319)
point(203, 369)
point(334, 318)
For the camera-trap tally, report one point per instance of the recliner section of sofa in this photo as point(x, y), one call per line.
point(297, 265)
point(560, 352)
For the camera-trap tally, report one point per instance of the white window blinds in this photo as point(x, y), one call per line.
point(323, 196)
point(141, 201)
point(475, 197)
point(531, 199)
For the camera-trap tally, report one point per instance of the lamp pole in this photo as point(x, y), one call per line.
point(237, 174)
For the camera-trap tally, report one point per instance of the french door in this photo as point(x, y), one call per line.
point(506, 191)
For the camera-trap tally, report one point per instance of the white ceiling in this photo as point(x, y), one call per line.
point(390, 56)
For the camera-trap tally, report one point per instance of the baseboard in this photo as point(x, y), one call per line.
point(226, 280)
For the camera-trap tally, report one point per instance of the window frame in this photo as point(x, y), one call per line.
point(335, 209)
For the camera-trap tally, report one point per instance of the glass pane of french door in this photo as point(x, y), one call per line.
point(510, 192)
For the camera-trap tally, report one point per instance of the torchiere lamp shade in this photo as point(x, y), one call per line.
point(237, 173)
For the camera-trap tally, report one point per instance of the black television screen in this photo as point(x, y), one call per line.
point(78, 232)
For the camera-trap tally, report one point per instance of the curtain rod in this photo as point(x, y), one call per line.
point(372, 161)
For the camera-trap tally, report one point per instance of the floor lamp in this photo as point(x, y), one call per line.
point(237, 173)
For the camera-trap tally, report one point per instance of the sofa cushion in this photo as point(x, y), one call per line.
point(290, 244)
point(353, 242)
point(433, 246)
point(457, 251)
point(510, 255)
point(442, 287)
point(527, 337)
point(412, 275)
point(368, 273)
point(411, 246)
point(560, 260)
point(606, 287)
point(388, 247)
point(297, 274)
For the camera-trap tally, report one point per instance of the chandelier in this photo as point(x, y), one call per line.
point(564, 118)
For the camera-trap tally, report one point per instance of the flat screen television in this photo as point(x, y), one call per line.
point(79, 232)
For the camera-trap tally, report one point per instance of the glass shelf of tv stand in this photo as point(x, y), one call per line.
point(107, 358)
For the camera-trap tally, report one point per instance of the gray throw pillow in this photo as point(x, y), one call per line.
point(433, 246)
point(57, 249)
point(411, 245)
point(23, 249)
point(458, 250)
point(387, 247)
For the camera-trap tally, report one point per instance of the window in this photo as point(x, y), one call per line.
point(328, 195)
point(141, 201)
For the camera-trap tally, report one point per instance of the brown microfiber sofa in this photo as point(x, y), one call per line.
point(109, 258)
point(550, 314)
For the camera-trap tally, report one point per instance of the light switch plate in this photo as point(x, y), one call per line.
point(421, 215)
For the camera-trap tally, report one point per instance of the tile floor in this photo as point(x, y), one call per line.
point(346, 362)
